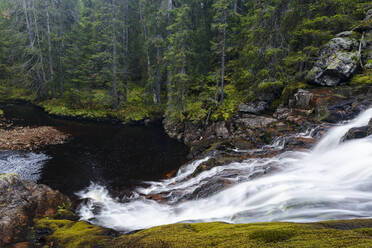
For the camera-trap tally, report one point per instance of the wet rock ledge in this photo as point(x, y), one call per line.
point(20, 203)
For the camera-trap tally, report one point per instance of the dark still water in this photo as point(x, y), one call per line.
point(119, 157)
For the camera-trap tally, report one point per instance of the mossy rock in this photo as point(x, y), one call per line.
point(71, 234)
point(329, 234)
point(248, 235)
point(65, 214)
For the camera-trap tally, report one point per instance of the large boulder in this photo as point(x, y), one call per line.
point(303, 99)
point(22, 201)
point(254, 107)
point(369, 15)
point(358, 132)
point(338, 61)
point(255, 121)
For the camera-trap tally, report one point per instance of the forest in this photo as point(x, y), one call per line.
point(193, 60)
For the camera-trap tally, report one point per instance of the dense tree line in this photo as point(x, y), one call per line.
point(193, 59)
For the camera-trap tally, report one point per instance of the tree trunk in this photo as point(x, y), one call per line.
point(168, 84)
point(149, 74)
point(157, 97)
point(29, 27)
point(61, 48)
point(50, 50)
point(223, 59)
point(126, 49)
point(114, 60)
point(43, 86)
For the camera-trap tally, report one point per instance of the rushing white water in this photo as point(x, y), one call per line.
point(26, 164)
point(331, 181)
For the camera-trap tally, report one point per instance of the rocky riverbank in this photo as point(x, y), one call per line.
point(20, 203)
point(30, 138)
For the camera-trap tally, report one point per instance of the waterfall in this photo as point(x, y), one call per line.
point(331, 181)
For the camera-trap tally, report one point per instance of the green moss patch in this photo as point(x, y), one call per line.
point(362, 79)
point(273, 235)
point(70, 234)
point(330, 234)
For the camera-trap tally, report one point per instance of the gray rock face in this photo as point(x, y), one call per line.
point(302, 99)
point(20, 202)
point(337, 63)
point(254, 121)
point(254, 107)
point(358, 132)
point(369, 15)
point(221, 130)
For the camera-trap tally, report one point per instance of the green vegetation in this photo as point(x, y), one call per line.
point(352, 233)
point(188, 60)
point(71, 234)
point(362, 79)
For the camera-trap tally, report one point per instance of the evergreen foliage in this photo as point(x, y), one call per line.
point(191, 59)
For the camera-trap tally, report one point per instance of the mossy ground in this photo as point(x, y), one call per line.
point(92, 107)
point(70, 234)
point(352, 233)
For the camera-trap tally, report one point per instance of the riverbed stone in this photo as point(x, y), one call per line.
point(358, 132)
point(20, 202)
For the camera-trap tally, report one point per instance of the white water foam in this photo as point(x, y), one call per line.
point(332, 181)
point(26, 164)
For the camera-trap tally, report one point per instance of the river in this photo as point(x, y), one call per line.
point(118, 174)
point(117, 156)
point(333, 180)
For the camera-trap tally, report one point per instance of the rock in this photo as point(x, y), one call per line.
point(282, 113)
point(22, 201)
point(337, 63)
point(27, 138)
point(221, 130)
point(369, 15)
point(174, 129)
point(22, 245)
point(254, 107)
point(192, 133)
point(345, 34)
point(302, 99)
point(358, 132)
point(254, 121)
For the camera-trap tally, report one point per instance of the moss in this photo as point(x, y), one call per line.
point(330, 234)
point(70, 234)
point(364, 231)
point(263, 86)
point(247, 235)
point(1, 112)
point(273, 235)
point(65, 214)
point(2, 176)
point(362, 79)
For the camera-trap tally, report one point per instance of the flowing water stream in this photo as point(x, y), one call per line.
point(331, 181)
